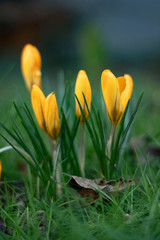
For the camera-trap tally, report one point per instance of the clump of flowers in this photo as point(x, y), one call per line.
point(50, 167)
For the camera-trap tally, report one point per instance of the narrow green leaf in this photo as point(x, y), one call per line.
point(131, 120)
point(71, 137)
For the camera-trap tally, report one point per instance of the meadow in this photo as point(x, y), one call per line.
point(47, 160)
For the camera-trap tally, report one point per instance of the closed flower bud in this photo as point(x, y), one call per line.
point(46, 111)
point(51, 116)
point(31, 66)
point(83, 87)
point(116, 94)
point(38, 103)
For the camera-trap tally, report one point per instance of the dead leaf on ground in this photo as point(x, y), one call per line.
point(90, 189)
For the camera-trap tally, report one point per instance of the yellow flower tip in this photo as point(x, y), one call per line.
point(31, 66)
point(0, 169)
point(111, 95)
point(52, 116)
point(126, 86)
point(38, 104)
point(129, 82)
point(116, 94)
point(83, 87)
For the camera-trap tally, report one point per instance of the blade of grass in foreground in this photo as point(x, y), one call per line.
point(131, 120)
point(26, 109)
point(35, 142)
point(27, 150)
point(121, 136)
point(71, 136)
point(115, 153)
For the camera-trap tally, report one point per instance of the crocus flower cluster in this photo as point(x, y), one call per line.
point(116, 93)
point(45, 109)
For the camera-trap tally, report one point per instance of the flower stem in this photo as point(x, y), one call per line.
point(54, 150)
point(110, 149)
point(58, 180)
point(82, 150)
point(56, 170)
point(109, 143)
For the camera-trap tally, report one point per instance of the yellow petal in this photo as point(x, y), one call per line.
point(51, 116)
point(126, 88)
point(31, 66)
point(83, 87)
point(38, 102)
point(122, 83)
point(111, 95)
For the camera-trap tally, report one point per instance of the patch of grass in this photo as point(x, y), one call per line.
point(132, 214)
point(28, 212)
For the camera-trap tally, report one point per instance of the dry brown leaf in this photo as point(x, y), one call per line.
point(90, 189)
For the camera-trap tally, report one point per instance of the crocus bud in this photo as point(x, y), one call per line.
point(46, 111)
point(83, 87)
point(51, 116)
point(38, 103)
point(116, 94)
point(31, 66)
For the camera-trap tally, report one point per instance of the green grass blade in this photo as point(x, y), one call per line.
point(131, 120)
point(71, 137)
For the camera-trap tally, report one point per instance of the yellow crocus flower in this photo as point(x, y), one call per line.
point(38, 103)
point(116, 94)
point(46, 111)
point(83, 87)
point(31, 66)
point(51, 116)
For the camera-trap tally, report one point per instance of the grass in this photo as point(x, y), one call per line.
point(134, 214)
point(29, 213)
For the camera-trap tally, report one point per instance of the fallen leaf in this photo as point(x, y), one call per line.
point(90, 189)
